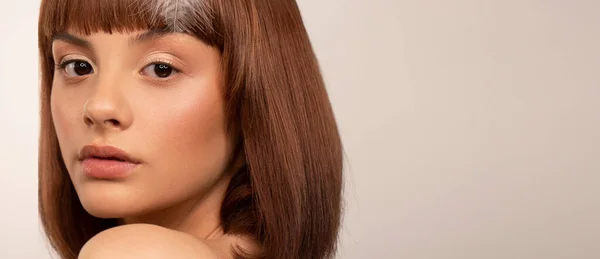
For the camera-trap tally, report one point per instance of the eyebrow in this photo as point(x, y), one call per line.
point(72, 39)
point(148, 35)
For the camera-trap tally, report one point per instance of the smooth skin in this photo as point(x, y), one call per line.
point(148, 242)
point(159, 97)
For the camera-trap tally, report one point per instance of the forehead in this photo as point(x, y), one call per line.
point(145, 39)
point(76, 38)
point(84, 17)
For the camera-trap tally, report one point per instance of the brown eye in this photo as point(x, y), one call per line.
point(159, 70)
point(78, 68)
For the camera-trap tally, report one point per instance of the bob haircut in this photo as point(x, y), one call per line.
point(288, 193)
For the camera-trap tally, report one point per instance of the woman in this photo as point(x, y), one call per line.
point(185, 129)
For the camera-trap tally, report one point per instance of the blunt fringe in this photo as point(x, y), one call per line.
point(288, 194)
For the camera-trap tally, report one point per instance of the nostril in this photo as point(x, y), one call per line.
point(113, 122)
point(88, 121)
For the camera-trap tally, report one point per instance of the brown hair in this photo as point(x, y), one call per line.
point(288, 193)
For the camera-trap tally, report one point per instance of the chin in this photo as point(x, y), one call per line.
point(109, 200)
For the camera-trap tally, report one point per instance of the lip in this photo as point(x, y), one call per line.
point(106, 152)
point(106, 162)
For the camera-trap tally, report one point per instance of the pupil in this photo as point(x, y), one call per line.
point(162, 70)
point(82, 68)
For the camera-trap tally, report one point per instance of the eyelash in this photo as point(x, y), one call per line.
point(163, 81)
point(63, 65)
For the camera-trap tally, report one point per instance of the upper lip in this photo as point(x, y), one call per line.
point(106, 152)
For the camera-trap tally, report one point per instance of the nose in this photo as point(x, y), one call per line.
point(107, 109)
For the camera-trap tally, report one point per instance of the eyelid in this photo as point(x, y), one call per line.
point(62, 49)
point(161, 81)
point(70, 58)
point(163, 61)
point(165, 57)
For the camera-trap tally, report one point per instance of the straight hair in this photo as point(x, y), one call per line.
point(288, 193)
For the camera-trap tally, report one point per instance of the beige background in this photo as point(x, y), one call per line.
point(471, 127)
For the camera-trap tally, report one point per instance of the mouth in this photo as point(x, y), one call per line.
point(107, 158)
point(106, 153)
point(106, 162)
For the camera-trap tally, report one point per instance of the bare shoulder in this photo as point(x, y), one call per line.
point(145, 241)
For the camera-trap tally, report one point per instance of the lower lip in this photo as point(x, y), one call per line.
point(107, 168)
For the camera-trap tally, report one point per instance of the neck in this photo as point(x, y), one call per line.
point(199, 216)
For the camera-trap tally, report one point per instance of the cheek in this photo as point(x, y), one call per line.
point(66, 111)
point(193, 126)
point(188, 138)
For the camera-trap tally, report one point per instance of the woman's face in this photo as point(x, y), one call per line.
point(159, 98)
